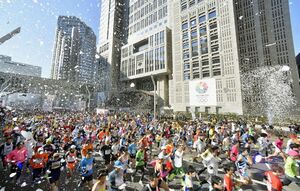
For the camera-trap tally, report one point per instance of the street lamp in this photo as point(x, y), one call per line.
point(132, 85)
point(154, 85)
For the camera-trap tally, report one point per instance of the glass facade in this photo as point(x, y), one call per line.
point(145, 56)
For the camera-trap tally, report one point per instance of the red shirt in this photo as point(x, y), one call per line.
point(229, 185)
point(273, 181)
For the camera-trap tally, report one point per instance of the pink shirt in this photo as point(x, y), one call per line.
point(17, 155)
point(234, 153)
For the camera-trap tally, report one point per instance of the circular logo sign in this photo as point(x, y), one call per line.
point(201, 87)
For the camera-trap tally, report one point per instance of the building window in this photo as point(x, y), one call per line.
point(215, 48)
point(157, 59)
point(186, 66)
point(185, 35)
point(186, 55)
point(217, 72)
point(162, 57)
point(194, 34)
point(213, 26)
point(205, 63)
point(193, 22)
point(186, 76)
point(162, 37)
point(196, 75)
point(212, 14)
point(205, 74)
point(185, 45)
point(184, 26)
point(202, 19)
point(202, 31)
point(213, 37)
point(203, 43)
point(215, 60)
point(183, 7)
point(194, 48)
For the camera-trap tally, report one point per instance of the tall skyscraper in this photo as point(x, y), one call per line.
point(148, 51)
point(74, 51)
point(205, 46)
point(179, 41)
point(298, 65)
point(265, 39)
point(113, 33)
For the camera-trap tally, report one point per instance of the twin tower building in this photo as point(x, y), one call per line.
point(210, 43)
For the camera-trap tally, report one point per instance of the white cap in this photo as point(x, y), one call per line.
point(16, 129)
point(163, 147)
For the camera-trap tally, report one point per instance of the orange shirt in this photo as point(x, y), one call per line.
point(85, 149)
point(229, 185)
point(101, 135)
point(169, 149)
point(273, 181)
point(38, 160)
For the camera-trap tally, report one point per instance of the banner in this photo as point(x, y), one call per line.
point(203, 92)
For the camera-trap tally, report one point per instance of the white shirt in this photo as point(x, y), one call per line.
point(178, 159)
point(212, 164)
point(115, 149)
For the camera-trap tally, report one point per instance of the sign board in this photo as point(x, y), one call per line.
point(203, 92)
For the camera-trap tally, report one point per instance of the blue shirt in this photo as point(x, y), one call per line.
point(87, 166)
point(132, 148)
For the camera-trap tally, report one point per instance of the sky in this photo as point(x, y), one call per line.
point(38, 20)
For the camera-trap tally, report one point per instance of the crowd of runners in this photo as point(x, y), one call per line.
point(135, 148)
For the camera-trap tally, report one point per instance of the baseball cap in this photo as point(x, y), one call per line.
point(118, 164)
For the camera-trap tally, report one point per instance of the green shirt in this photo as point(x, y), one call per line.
point(290, 167)
point(139, 158)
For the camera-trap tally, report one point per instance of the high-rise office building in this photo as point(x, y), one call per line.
point(205, 46)
point(9, 66)
point(148, 51)
point(265, 40)
point(112, 35)
point(298, 64)
point(178, 41)
point(74, 51)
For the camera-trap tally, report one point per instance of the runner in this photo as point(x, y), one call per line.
point(17, 158)
point(38, 162)
point(86, 166)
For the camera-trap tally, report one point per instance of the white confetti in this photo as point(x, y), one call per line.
point(12, 174)
point(23, 184)
point(272, 44)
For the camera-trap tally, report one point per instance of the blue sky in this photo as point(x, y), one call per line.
point(38, 20)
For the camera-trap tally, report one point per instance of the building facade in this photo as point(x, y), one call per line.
point(74, 51)
point(178, 41)
point(9, 66)
point(148, 51)
point(205, 46)
point(298, 65)
point(265, 40)
point(112, 35)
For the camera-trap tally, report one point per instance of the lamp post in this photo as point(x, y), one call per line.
point(154, 85)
